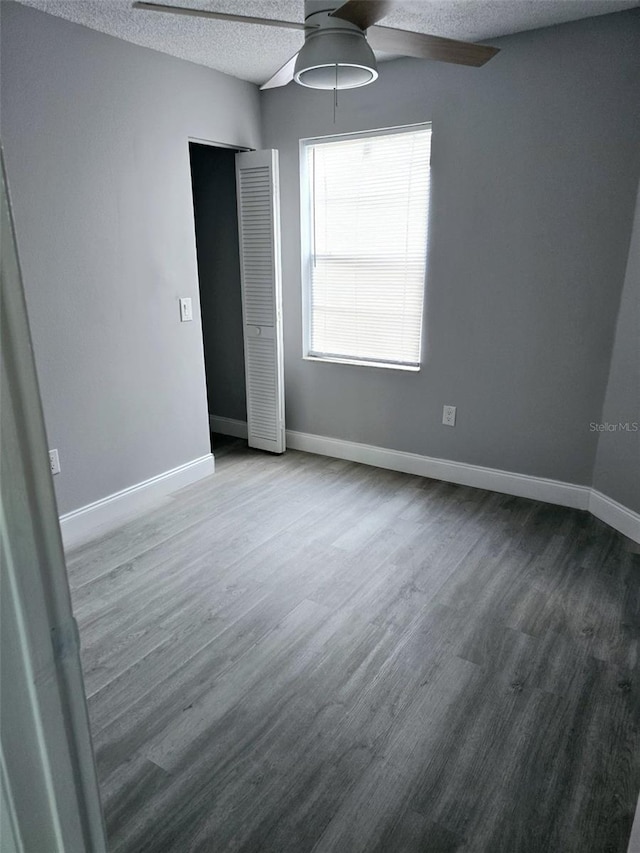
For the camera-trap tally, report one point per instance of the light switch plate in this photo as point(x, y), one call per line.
point(186, 311)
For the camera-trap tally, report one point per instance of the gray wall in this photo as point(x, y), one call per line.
point(536, 162)
point(535, 166)
point(96, 139)
point(617, 468)
point(213, 175)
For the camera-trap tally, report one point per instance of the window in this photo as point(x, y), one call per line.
point(365, 217)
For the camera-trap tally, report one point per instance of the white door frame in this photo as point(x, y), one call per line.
point(49, 791)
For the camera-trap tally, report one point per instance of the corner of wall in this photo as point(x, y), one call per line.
point(616, 464)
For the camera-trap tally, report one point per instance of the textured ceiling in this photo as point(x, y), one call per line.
point(254, 52)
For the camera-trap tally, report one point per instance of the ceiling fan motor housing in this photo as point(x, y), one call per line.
point(335, 54)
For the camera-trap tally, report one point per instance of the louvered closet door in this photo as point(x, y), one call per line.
point(259, 230)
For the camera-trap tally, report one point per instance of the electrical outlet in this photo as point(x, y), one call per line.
point(54, 461)
point(449, 415)
point(186, 310)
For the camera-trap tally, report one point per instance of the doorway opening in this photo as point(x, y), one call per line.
point(213, 184)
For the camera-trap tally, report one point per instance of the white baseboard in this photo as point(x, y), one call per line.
point(571, 495)
point(228, 426)
point(92, 519)
point(87, 521)
point(520, 485)
point(622, 519)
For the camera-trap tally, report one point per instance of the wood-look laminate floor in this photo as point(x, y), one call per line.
point(303, 654)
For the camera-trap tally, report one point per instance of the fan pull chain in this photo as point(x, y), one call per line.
point(335, 96)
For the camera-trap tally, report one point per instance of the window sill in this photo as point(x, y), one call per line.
point(322, 360)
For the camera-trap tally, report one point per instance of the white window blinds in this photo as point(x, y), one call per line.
point(368, 218)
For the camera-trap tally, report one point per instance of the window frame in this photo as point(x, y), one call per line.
point(306, 246)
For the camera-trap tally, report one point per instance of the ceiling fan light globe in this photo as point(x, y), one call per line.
point(330, 60)
point(324, 76)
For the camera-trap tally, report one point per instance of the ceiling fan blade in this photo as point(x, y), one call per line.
point(283, 76)
point(363, 13)
point(425, 46)
point(216, 16)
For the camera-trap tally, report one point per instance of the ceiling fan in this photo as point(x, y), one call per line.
point(339, 40)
